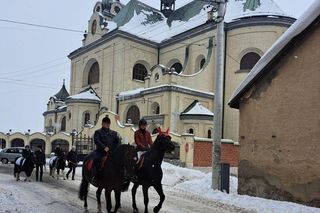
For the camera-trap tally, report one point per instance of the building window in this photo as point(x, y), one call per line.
point(249, 60)
point(69, 115)
point(117, 9)
point(94, 27)
point(155, 108)
point(190, 131)
point(63, 124)
point(202, 62)
point(86, 118)
point(209, 133)
point(177, 67)
point(156, 77)
point(139, 72)
point(133, 114)
point(93, 76)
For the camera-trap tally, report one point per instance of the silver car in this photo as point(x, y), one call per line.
point(10, 154)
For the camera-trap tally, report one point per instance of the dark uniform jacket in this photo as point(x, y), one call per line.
point(106, 138)
point(26, 154)
point(40, 157)
point(57, 151)
point(72, 157)
point(143, 140)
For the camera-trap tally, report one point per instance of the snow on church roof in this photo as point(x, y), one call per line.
point(88, 94)
point(276, 49)
point(146, 22)
point(197, 108)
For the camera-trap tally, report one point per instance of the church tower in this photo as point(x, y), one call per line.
point(167, 7)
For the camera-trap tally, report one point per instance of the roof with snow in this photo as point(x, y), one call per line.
point(62, 94)
point(87, 95)
point(149, 23)
point(277, 49)
point(140, 92)
point(196, 109)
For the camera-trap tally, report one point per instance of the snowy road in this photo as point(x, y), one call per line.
point(62, 196)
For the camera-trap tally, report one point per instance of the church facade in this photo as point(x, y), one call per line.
point(138, 61)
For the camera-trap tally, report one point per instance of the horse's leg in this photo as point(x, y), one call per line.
point(117, 194)
point(133, 193)
point(159, 189)
point(62, 171)
point(107, 194)
point(85, 204)
point(18, 176)
point(58, 173)
point(98, 195)
point(145, 197)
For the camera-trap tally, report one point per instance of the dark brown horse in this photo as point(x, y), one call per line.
point(115, 172)
point(150, 172)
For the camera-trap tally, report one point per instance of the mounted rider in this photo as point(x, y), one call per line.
point(142, 138)
point(106, 141)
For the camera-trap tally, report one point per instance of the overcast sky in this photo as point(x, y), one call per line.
point(33, 60)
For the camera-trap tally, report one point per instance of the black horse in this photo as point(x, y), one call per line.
point(149, 170)
point(118, 168)
point(57, 163)
point(24, 165)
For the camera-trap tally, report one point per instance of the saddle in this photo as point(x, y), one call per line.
point(89, 165)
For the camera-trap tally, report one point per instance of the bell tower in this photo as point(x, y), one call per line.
point(167, 7)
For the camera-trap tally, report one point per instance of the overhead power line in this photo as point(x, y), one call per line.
point(42, 26)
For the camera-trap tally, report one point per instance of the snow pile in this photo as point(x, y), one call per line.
point(199, 183)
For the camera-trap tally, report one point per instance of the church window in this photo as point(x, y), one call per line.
point(155, 108)
point(86, 118)
point(191, 131)
point(139, 72)
point(93, 76)
point(116, 9)
point(133, 114)
point(209, 133)
point(202, 62)
point(249, 60)
point(63, 124)
point(177, 67)
point(94, 27)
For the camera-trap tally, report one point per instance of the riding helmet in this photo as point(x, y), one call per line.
point(142, 122)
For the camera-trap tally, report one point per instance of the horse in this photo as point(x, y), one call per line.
point(149, 170)
point(24, 165)
point(115, 171)
point(57, 163)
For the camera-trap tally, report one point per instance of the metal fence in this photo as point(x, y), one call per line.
point(84, 145)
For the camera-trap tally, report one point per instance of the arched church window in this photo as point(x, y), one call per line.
point(202, 62)
point(177, 67)
point(209, 133)
point(155, 108)
point(133, 114)
point(249, 60)
point(139, 72)
point(93, 76)
point(63, 124)
point(86, 118)
point(191, 131)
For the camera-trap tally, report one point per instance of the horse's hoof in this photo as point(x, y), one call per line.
point(135, 210)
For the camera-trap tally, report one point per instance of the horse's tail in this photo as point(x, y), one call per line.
point(84, 189)
point(125, 186)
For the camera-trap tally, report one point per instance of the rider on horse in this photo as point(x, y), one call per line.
point(57, 151)
point(106, 140)
point(26, 154)
point(142, 138)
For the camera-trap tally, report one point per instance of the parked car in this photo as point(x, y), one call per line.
point(10, 154)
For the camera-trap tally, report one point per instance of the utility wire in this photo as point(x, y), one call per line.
point(42, 26)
